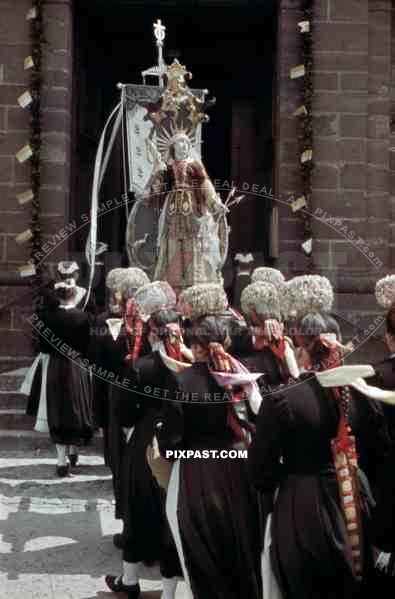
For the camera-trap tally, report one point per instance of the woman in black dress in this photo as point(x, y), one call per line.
point(60, 395)
point(211, 505)
point(385, 370)
point(146, 538)
point(383, 524)
point(271, 351)
point(319, 547)
point(70, 270)
point(100, 346)
point(109, 348)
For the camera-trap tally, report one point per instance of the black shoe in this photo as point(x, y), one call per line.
point(62, 471)
point(118, 540)
point(73, 459)
point(116, 585)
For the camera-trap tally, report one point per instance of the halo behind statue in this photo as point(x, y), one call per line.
point(179, 111)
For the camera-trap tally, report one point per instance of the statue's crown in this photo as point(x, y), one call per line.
point(177, 71)
point(178, 109)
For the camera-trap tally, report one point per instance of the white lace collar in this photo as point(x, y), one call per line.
point(115, 325)
point(80, 293)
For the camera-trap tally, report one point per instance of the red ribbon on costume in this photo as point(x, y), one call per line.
point(221, 362)
point(345, 460)
point(329, 340)
point(219, 358)
point(134, 330)
point(336, 349)
point(174, 341)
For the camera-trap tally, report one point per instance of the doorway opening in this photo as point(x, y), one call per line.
point(230, 48)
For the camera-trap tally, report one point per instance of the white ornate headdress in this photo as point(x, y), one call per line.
point(385, 291)
point(155, 296)
point(136, 276)
point(268, 275)
point(203, 299)
point(261, 298)
point(309, 293)
point(132, 276)
point(67, 269)
point(132, 279)
point(114, 278)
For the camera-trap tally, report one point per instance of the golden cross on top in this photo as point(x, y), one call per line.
point(160, 68)
point(159, 31)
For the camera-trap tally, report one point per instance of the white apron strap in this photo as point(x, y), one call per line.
point(27, 383)
point(270, 586)
point(172, 517)
point(42, 418)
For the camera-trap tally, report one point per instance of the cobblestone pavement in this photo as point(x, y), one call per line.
point(56, 534)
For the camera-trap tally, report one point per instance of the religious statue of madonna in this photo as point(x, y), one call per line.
point(191, 239)
point(189, 235)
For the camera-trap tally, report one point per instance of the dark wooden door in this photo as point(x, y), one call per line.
point(252, 168)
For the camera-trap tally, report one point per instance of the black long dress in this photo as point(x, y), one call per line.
point(109, 361)
point(310, 553)
point(101, 348)
point(146, 534)
point(100, 344)
point(65, 338)
point(383, 523)
point(265, 361)
point(216, 506)
point(240, 282)
point(385, 379)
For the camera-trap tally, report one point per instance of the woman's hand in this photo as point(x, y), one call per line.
point(160, 467)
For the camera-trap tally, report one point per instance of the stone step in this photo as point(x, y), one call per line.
point(12, 380)
point(14, 419)
point(12, 440)
point(28, 476)
point(12, 363)
point(10, 400)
